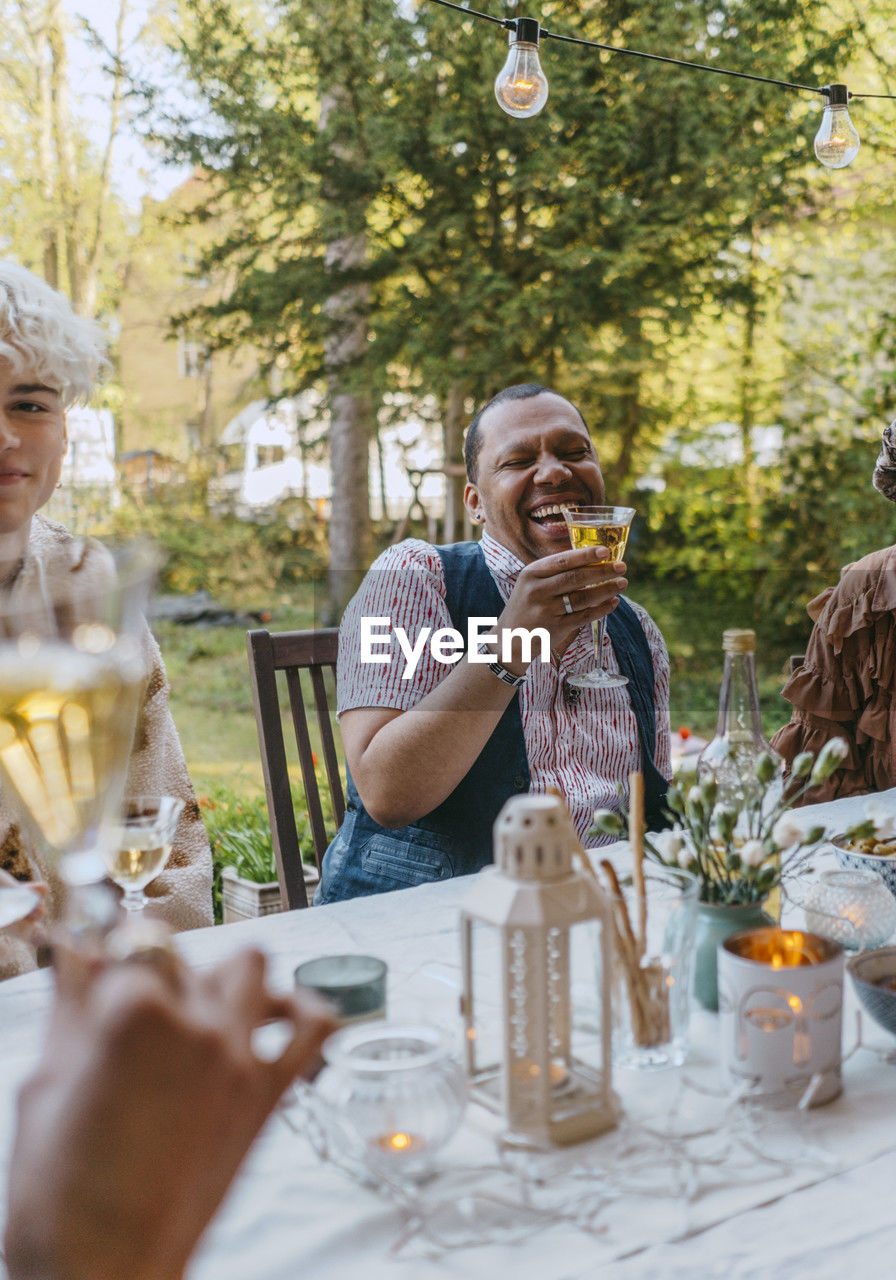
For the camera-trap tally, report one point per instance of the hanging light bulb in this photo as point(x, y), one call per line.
point(521, 86)
point(836, 143)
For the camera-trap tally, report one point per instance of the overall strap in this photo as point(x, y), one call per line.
point(636, 663)
point(470, 592)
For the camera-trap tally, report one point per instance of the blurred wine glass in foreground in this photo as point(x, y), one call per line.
point(72, 674)
point(142, 845)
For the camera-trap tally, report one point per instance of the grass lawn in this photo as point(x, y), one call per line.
point(212, 703)
point(211, 699)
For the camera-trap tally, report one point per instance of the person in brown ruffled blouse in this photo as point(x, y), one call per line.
point(844, 687)
point(49, 359)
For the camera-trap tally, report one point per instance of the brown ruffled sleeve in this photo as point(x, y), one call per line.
point(844, 686)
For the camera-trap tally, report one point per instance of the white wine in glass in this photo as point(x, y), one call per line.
point(143, 845)
point(599, 527)
point(72, 673)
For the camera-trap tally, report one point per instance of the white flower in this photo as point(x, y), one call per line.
point(695, 796)
point(786, 832)
point(685, 857)
point(828, 761)
point(668, 844)
point(752, 853)
point(883, 818)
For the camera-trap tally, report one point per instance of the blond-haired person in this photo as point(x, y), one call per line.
point(51, 358)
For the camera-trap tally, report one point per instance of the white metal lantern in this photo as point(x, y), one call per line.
point(536, 981)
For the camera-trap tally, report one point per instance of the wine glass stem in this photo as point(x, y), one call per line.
point(597, 633)
point(134, 900)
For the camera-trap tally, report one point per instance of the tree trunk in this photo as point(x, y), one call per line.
point(95, 247)
point(74, 214)
point(453, 452)
point(66, 164)
point(628, 409)
point(351, 411)
point(747, 393)
point(35, 27)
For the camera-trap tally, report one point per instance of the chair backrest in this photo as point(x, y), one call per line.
point(294, 652)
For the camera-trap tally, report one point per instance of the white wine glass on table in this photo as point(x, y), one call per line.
point(72, 674)
point(599, 527)
point(142, 846)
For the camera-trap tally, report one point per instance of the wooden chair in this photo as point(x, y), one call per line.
point(293, 652)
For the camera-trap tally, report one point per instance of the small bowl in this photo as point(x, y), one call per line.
point(883, 864)
point(866, 970)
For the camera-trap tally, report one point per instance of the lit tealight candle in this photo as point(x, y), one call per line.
point(780, 948)
point(399, 1143)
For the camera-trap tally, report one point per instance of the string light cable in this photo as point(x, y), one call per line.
point(521, 86)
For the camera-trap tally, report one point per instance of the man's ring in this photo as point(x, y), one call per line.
point(567, 604)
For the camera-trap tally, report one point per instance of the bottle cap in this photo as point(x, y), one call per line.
point(739, 641)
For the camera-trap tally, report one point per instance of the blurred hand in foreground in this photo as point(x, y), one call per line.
point(144, 1103)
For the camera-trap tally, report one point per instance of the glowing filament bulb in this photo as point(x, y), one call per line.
point(521, 86)
point(836, 143)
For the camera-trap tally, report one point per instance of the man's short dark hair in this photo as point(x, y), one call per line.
point(520, 391)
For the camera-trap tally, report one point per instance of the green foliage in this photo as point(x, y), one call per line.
point(824, 515)
point(237, 562)
point(571, 248)
point(769, 550)
point(701, 529)
point(240, 836)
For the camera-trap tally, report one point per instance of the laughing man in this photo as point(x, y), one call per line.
point(436, 744)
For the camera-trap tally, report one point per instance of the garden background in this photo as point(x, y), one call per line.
point(332, 202)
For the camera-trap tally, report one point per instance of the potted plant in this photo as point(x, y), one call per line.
point(249, 884)
point(741, 859)
point(245, 871)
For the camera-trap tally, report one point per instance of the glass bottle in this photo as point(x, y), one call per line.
point(739, 741)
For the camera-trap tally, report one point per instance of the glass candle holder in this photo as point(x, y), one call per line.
point(851, 906)
point(651, 994)
point(399, 1092)
point(354, 985)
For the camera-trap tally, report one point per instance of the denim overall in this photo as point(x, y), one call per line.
point(455, 839)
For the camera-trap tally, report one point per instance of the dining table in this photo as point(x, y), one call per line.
point(691, 1182)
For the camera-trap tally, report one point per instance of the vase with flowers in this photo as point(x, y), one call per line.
point(741, 858)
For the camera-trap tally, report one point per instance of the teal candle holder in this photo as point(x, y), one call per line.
point(354, 985)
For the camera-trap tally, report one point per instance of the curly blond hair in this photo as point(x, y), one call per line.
point(40, 333)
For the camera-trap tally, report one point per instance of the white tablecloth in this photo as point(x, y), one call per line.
point(789, 1195)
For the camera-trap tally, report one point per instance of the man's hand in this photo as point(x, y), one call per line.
point(141, 1110)
point(588, 580)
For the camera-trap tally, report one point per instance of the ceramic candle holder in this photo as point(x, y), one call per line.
point(780, 1007)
